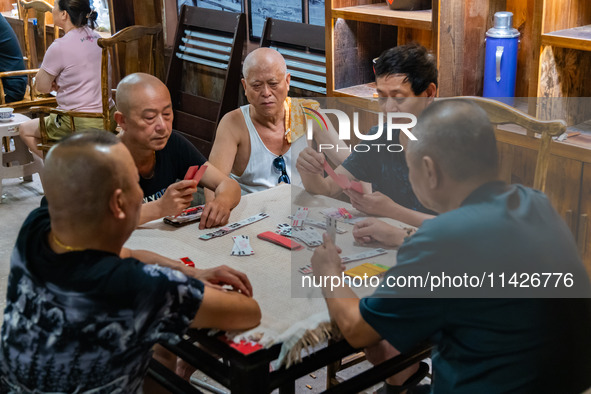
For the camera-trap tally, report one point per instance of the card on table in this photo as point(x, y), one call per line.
point(369, 269)
point(242, 246)
point(299, 217)
point(280, 240)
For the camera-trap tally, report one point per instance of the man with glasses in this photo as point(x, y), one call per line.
point(257, 143)
point(163, 156)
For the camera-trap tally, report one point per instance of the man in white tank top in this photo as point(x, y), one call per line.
point(253, 144)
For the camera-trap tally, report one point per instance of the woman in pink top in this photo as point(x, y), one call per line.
point(72, 67)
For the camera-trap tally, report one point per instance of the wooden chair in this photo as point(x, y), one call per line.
point(303, 47)
point(501, 114)
point(133, 49)
point(204, 72)
point(32, 97)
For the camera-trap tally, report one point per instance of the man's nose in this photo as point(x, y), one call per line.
point(160, 123)
point(388, 104)
point(266, 90)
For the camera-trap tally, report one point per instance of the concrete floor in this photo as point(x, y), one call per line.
point(19, 198)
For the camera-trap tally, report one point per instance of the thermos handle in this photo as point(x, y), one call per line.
point(499, 55)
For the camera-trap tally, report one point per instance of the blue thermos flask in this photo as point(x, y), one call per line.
point(500, 64)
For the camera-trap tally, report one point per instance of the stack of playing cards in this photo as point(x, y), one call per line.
point(234, 226)
point(241, 246)
point(307, 235)
point(319, 224)
point(284, 229)
point(336, 213)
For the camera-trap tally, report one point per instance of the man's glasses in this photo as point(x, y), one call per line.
point(279, 166)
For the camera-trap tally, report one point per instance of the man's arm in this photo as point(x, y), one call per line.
point(342, 302)
point(177, 197)
point(379, 204)
point(226, 196)
point(225, 147)
point(219, 276)
point(310, 165)
point(226, 311)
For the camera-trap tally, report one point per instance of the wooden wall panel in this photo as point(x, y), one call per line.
point(450, 50)
point(423, 37)
point(523, 14)
point(565, 14)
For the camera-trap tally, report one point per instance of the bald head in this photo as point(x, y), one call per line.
point(263, 57)
point(80, 175)
point(132, 88)
point(457, 134)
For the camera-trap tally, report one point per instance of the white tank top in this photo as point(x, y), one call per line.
point(260, 174)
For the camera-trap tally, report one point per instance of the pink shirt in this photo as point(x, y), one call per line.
point(75, 60)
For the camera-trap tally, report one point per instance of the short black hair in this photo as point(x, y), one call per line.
point(412, 60)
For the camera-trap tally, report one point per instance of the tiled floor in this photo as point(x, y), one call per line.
point(19, 198)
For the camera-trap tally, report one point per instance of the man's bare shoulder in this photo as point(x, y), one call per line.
point(232, 121)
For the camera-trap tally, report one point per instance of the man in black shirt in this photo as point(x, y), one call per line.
point(11, 59)
point(82, 312)
point(162, 156)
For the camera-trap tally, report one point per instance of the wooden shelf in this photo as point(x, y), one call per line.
point(365, 90)
point(382, 15)
point(575, 38)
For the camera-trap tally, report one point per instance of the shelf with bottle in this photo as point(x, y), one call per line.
point(381, 14)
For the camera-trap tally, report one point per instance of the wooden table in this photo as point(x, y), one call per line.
point(287, 309)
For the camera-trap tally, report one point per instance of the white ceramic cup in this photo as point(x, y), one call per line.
point(6, 113)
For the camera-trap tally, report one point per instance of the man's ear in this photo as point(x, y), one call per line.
point(288, 78)
point(243, 84)
point(116, 204)
point(120, 119)
point(431, 90)
point(431, 171)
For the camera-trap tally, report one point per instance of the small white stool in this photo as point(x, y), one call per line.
point(27, 164)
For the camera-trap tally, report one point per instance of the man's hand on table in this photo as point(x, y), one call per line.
point(326, 260)
point(215, 213)
point(224, 275)
point(374, 230)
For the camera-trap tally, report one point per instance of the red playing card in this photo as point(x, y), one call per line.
point(341, 180)
point(279, 240)
point(356, 186)
point(199, 174)
point(191, 172)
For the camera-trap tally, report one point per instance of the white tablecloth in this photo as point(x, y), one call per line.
point(295, 322)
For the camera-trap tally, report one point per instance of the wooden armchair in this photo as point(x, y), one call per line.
point(502, 114)
point(133, 49)
point(32, 97)
point(204, 72)
point(303, 47)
